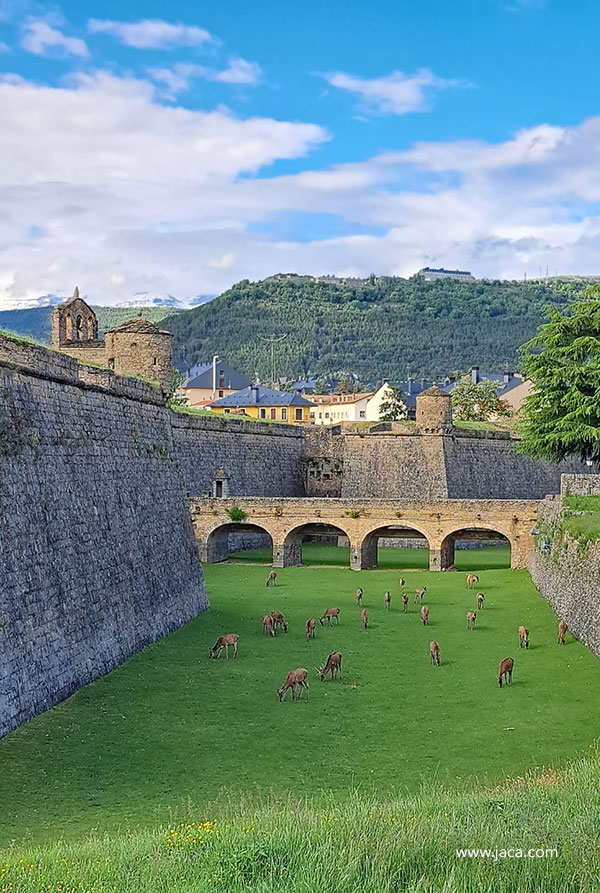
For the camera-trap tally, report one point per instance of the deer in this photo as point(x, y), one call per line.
point(310, 628)
point(364, 614)
point(480, 597)
point(425, 615)
point(434, 651)
point(359, 595)
point(523, 637)
point(505, 670)
point(329, 613)
point(272, 579)
point(223, 642)
point(333, 665)
point(293, 679)
point(401, 581)
point(471, 579)
point(562, 628)
point(269, 626)
point(419, 593)
point(404, 604)
point(278, 620)
point(471, 618)
point(387, 600)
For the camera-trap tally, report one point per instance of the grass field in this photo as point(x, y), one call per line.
point(316, 555)
point(171, 728)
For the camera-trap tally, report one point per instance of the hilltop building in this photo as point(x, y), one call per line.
point(430, 274)
point(207, 382)
point(137, 347)
point(258, 402)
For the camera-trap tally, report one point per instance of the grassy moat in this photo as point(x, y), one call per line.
point(172, 736)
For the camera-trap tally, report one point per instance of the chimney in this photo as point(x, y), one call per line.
point(423, 384)
point(474, 374)
point(409, 382)
point(253, 393)
point(507, 377)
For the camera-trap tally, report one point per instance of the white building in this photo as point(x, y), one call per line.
point(334, 409)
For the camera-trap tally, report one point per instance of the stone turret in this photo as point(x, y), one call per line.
point(138, 347)
point(434, 412)
point(74, 324)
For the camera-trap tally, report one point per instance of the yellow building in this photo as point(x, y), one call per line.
point(266, 403)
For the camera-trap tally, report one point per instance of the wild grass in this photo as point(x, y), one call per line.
point(362, 844)
point(581, 518)
point(171, 727)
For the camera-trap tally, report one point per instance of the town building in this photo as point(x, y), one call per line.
point(430, 274)
point(335, 409)
point(510, 386)
point(207, 382)
point(137, 347)
point(258, 402)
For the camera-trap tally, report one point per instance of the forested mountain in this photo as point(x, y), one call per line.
point(382, 329)
point(35, 322)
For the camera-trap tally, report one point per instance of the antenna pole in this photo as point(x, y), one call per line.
point(273, 340)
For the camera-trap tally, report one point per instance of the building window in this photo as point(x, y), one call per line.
point(284, 414)
point(154, 361)
point(263, 413)
point(362, 413)
point(299, 415)
point(219, 489)
point(220, 393)
point(78, 327)
point(273, 413)
point(133, 345)
point(326, 415)
point(111, 363)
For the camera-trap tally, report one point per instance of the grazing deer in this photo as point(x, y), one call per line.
point(269, 626)
point(425, 615)
point(333, 665)
point(401, 581)
point(278, 620)
point(471, 579)
point(272, 579)
point(480, 597)
point(523, 637)
point(505, 670)
point(224, 642)
point(404, 604)
point(359, 595)
point(310, 628)
point(329, 613)
point(419, 593)
point(471, 618)
point(387, 600)
point(293, 679)
point(365, 618)
point(434, 651)
point(562, 628)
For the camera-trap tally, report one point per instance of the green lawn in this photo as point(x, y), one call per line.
point(315, 555)
point(171, 731)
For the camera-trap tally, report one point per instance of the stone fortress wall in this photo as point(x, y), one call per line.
point(91, 493)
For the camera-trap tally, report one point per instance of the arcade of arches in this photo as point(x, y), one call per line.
point(441, 524)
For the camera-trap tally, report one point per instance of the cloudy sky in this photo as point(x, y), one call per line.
point(178, 154)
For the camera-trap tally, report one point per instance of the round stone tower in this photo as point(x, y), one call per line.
point(434, 412)
point(138, 347)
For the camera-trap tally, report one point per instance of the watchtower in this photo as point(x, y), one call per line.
point(74, 323)
point(434, 412)
point(138, 347)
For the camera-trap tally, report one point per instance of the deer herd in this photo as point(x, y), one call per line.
point(298, 679)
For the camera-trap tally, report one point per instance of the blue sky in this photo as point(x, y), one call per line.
point(177, 153)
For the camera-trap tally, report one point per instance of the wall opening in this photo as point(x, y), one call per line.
point(248, 543)
point(319, 544)
point(475, 548)
point(395, 546)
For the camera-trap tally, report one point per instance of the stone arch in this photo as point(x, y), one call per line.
point(219, 541)
point(367, 557)
point(68, 327)
point(79, 327)
point(478, 532)
point(289, 553)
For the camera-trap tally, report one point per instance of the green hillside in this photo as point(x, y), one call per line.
point(383, 329)
point(35, 322)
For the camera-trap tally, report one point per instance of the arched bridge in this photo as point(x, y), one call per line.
point(289, 521)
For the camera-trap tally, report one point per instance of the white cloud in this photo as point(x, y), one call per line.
point(239, 71)
point(179, 77)
point(39, 36)
point(103, 185)
point(396, 93)
point(151, 33)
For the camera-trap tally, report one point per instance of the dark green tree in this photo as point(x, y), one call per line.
point(392, 406)
point(561, 416)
